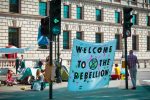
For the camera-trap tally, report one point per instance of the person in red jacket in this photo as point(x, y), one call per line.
point(9, 79)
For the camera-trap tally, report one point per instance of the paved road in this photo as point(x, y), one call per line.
point(144, 77)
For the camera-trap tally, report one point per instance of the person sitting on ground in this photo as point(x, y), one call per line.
point(117, 71)
point(9, 79)
point(36, 85)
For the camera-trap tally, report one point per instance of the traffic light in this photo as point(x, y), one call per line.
point(55, 17)
point(127, 22)
point(45, 26)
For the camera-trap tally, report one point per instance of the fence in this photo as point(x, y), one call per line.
point(10, 63)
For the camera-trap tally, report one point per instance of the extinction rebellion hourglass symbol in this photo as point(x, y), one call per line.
point(93, 64)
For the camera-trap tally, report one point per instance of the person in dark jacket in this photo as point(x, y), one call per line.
point(22, 63)
point(40, 64)
point(17, 63)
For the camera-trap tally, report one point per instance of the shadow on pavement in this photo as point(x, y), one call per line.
point(142, 93)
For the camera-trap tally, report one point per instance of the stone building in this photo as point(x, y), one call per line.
point(89, 20)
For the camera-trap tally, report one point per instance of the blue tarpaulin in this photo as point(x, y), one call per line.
point(13, 50)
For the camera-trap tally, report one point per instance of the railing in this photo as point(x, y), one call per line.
point(4, 63)
point(10, 63)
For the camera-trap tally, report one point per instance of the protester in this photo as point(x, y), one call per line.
point(132, 61)
point(58, 71)
point(40, 64)
point(22, 63)
point(17, 63)
point(9, 79)
point(36, 85)
point(47, 59)
point(117, 71)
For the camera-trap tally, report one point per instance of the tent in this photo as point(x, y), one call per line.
point(64, 73)
point(24, 76)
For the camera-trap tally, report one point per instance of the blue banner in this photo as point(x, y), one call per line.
point(91, 65)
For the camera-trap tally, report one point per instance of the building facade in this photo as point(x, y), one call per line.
point(89, 20)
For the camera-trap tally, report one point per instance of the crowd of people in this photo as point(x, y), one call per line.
point(38, 82)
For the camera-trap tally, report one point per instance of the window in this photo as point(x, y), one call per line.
point(14, 6)
point(43, 41)
point(98, 15)
point(66, 40)
point(79, 12)
point(13, 37)
point(79, 35)
point(148, 20)
point(146, 2)
point(43, 8)
point(134, 2)
point(119, 43)
point(98, 38)
point(135, 42)
point(117, 17)
point(148, 42)
point(66, 11)
point(117, 0)
point(134, 19)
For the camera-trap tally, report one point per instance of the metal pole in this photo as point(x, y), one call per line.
point(58, 54)
point(126, 68)
point(51, 58)
point(55, 48)
point(51, 64)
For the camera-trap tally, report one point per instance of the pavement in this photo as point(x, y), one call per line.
point(114, 91)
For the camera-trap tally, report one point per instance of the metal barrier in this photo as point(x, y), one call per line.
point(10, 63)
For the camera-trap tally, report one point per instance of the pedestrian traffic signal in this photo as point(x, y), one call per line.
point(127, 22)
point(45, 26)
point(55, 17)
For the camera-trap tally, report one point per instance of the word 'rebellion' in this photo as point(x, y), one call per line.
point(89, 75)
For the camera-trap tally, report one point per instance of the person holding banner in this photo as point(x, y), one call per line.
point(132, 61)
